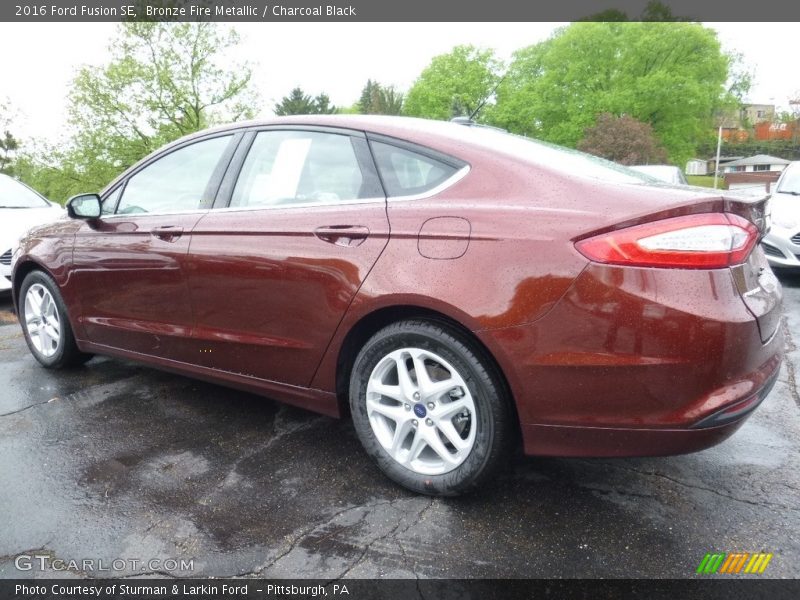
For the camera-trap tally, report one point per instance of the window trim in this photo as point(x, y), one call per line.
point(447, 183)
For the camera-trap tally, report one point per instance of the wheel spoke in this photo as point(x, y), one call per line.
point(448, 410)
point(404, 377)
point(35, 301)
point(51, 332)
point(400, 434)
point(44, 341)
point(423, 380)
point(417, 446)
point(395, 413)
point(449, 431)
point(46, 304)
point(31, 322)
point(435, 443)
point(436, 388)
point(390, 391)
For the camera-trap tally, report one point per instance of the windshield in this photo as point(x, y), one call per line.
point(790, 183)
point(13, 194)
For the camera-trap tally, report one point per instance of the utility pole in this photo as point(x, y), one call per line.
point(719, 146)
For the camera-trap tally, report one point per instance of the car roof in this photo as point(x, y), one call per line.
point(455, 139)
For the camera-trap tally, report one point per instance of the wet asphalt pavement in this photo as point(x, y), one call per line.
point(115, 460)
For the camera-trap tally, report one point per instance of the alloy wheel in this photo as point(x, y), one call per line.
point(42, 320)
point(421, 411)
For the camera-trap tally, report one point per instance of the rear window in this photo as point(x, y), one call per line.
point(564, 159)
point(407, 173)
point(13, 194)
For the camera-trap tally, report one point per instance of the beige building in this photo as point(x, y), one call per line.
point(758, 113)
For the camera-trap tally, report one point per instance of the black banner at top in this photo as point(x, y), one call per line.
point(397, 10)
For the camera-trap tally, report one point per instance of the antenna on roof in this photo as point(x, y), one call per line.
point(486, 99)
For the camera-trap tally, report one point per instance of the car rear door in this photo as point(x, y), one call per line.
point(128, 265)
point(299, 222)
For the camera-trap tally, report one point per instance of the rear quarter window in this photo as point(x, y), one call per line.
point(407, 173)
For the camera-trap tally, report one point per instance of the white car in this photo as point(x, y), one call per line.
point(20, 209)
point(666, 173)
point(782, 243)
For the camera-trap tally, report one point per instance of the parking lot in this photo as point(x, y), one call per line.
point(119, 461)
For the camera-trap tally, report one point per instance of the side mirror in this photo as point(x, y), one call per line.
point(84, 206)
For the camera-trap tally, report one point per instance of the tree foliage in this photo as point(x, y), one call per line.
point(163, 81)
point(300, 103)
point(671, 75)
point(8, 143)
point(454, 84)
point(786, 149)
point(377, 99)
point(624, 140)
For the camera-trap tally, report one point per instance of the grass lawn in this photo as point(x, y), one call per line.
point(704, 180)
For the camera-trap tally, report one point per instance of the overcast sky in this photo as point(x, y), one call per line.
point(39, 59)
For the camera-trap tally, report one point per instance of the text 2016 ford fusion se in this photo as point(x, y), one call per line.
point(453, 287)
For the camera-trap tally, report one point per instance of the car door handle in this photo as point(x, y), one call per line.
point(167, 233)
point(343, 235)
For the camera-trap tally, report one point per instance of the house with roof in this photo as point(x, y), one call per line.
point(753, 174)
point(723, 160)
point(759, 162)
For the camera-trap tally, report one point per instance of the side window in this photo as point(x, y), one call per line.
point(295, 167)
point(110, 201)
point(175, 182)
point(406, 173)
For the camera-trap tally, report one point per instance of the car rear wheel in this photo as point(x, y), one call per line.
point(429, 407)
point(45, 323)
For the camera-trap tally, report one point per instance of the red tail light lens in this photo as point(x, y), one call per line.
point(704, 241)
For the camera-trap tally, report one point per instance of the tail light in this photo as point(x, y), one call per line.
point(702, 241)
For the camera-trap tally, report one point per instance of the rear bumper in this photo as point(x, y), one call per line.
point(639, 362)
point(575, 441)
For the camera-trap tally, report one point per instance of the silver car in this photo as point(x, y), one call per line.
point(782, 243)
point(20, 209)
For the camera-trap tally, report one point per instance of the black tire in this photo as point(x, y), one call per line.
point(67, 353)
point(495, 421)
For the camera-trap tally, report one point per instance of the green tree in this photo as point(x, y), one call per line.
point(624, 140)
point(391, 101)
point(163, 80)
point(324, 106)
point(368, 102)
point(454, 84)
point(300, 103)
point(377, 99)
point(673, 76)
point(8, 143)
point(296, 103)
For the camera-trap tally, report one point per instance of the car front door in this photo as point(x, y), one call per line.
point(128, 266)
point(273, 271)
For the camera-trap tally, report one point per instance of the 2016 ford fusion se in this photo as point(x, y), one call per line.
point(453, 288)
